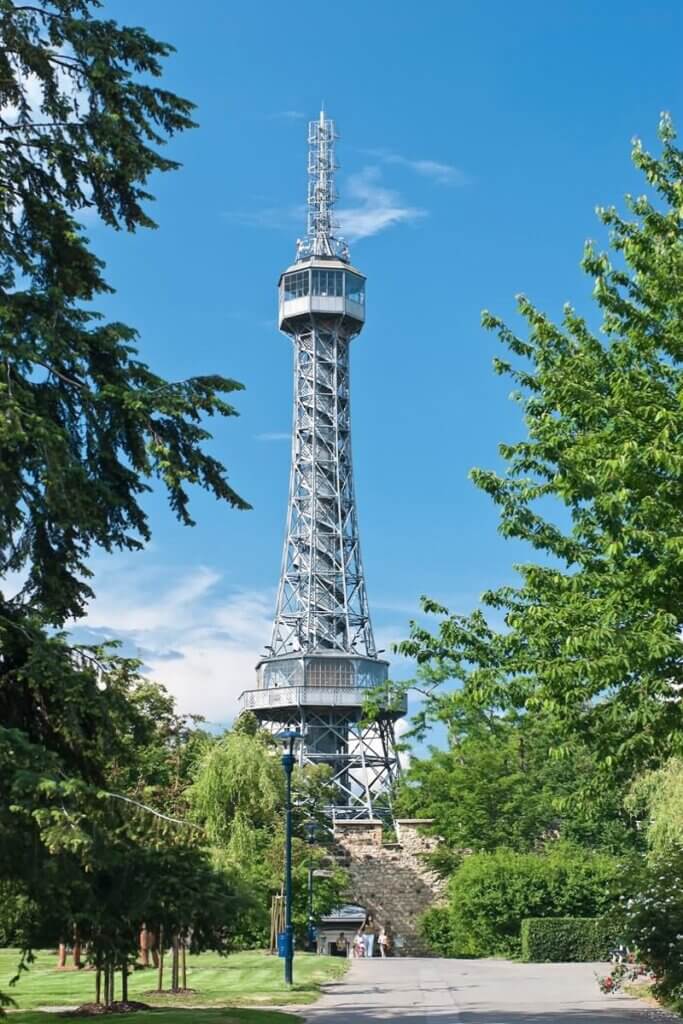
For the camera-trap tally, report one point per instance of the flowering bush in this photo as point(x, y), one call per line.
point(622, 973)
point(609, 983)
point(652, 921)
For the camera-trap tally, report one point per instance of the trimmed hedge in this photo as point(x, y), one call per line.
point(565, 939)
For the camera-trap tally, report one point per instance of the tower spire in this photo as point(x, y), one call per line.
point(321, 240)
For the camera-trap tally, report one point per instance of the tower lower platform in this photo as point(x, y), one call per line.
point(323, 698)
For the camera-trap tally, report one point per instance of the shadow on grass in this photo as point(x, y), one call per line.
point(164, 1015)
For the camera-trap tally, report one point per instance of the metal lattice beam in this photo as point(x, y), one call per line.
point(322, 602)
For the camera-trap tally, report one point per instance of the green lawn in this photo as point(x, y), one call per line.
point(243, 978)
point(228, 1015)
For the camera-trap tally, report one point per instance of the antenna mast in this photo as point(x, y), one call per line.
point(320, 240)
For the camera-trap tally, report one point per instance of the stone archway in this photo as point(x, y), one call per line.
point(392, 880)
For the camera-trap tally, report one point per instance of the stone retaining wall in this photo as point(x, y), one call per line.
point(392, 880)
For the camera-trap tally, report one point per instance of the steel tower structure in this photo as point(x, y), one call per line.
point(322, 658)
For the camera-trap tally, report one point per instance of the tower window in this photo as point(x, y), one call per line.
point(296, 285)
point(355, 288)
point(330, 672)
point(328, 283)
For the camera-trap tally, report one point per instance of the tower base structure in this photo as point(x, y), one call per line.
point(322, 697)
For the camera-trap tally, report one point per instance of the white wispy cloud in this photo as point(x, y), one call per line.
point(274, 435)
point(195, 634)
point(372, 208)
point(33, 94)
point(378, 207)
point(288, 115)
point(277, 217)
point(400, 729)
point(436, 170)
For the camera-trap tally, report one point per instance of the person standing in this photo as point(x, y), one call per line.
point(383, 942)
point(369, 935)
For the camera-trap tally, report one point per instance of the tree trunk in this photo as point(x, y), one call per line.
point(124, 981)
point(174, 968)
point(160, 984)
point(144, 946)
point(105, 975)
point(112, 982)
point(184, 964)
point(61, 956)
point(77, 953)
point(98, 984)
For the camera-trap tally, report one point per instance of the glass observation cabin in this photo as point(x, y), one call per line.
point(324, 287)
point(318, 671)
point(333, 680)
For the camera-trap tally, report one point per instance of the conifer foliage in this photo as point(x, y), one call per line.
point(85, 423)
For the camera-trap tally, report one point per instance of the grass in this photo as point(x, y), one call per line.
point(643, 990)
point(228, 1015)
point(252, 978)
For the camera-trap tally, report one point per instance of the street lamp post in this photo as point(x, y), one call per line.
point(310, 839)
point(289, 738)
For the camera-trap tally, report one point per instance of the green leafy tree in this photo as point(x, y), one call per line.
point(237, 793)
point(85, 423)
point(498, 784)
point(657, 798)
point(651, 920)
point(592, 631)
point(94, 826)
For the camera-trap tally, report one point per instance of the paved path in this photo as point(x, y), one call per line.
point(414, 991)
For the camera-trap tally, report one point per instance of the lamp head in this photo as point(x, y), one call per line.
point(288, 736)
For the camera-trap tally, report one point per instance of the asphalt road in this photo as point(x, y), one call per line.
point(414, 991)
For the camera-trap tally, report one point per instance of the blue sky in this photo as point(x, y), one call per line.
point(476, 140)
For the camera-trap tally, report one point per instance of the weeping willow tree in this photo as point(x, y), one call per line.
point(238, 798)
point(657, 796)
point(238, 793)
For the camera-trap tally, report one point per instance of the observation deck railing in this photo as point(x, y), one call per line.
point(312, 696)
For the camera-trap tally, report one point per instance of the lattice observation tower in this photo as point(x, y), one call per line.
point(322, 657)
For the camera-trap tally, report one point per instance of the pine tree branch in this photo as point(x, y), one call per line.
point(152, 810)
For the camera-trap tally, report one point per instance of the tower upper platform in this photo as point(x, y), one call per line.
point(320, 286)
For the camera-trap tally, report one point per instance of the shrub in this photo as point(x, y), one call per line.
point(564, 939)
point(652, 922)
point(435, 927)
point(491, 893)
